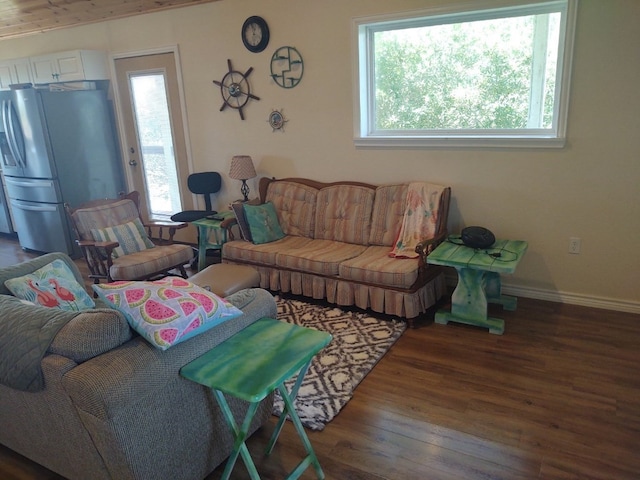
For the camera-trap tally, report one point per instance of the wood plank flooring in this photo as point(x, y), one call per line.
point(556, 397)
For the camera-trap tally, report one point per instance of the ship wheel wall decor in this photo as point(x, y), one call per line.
point(235, 89)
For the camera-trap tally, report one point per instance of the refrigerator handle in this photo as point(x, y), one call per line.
point(8, 121)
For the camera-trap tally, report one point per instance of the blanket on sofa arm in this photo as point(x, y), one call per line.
point(27, 332)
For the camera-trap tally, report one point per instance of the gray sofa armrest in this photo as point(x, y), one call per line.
point(135, 371)
point(90, 334)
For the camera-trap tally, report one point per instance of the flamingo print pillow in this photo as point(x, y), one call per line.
point(53, 285)
point(168, 311)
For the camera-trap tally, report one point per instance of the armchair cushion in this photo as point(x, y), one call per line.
point(168, 311)
point(53, 285)
point(131, 237)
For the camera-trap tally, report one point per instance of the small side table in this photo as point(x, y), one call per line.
point(478, 280)
point(210, 235)
point(252, 364)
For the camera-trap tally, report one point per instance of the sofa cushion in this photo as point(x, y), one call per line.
point(295, 204)
point(388, 211)
point(146, 262)
point(168, 311)
point(343, 214)
point(131, 237)
point(319, 256)
point(53, 285)
point(263, 223)
point(374, 266)
point(263, 254)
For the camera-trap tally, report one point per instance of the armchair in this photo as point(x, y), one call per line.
point(115, 245)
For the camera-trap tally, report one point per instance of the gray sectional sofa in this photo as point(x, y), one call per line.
point(111, 406)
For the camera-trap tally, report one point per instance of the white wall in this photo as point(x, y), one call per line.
point(589, 189)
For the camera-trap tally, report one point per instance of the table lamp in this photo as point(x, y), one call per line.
point(242, 169)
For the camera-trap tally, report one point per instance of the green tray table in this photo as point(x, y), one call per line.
point(250, 365)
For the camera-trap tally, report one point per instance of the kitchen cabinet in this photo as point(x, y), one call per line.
point(70, 66)
point(16, 70)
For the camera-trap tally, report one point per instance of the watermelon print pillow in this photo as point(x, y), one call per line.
point(168, 311)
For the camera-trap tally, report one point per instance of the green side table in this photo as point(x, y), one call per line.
point(210, 235)
point(478, 280)
point(252, 364)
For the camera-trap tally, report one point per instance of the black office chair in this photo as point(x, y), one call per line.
point(204, 183)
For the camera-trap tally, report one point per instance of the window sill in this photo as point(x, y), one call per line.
point(458, 142)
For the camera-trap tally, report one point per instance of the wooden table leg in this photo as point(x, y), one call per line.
point(469, 302)
point(240, 435)
point(289, 409)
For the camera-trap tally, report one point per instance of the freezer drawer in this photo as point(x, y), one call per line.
point(33, 189)
point(42, 226)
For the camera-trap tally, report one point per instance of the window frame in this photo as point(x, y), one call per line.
point(363, 30)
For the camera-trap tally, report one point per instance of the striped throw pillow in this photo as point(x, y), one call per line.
point(131, 237)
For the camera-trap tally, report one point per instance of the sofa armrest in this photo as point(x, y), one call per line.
point(425, 247)
point(136, 372)
point(90, 334)
point(228, 224)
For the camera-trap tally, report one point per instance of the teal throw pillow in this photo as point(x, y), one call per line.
point(53, 285)
point(131, 237)
point(263, 223)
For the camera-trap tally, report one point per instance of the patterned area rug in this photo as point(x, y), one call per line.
point(359, 342)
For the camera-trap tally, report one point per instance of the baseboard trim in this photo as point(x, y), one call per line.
point(565, 297)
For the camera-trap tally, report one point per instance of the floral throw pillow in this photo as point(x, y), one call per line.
point(131, 237)
point(263, 223)
point(168, 311)
point(53, 285)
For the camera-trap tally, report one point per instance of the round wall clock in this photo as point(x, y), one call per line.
point(287, 67)
point(255, 34)
point(235, 89)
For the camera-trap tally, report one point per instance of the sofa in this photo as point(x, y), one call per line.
point(111, 406)
point(337, 240)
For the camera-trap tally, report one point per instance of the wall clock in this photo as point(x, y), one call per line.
point(235, 89)
point(287, 67)
point(255, 34)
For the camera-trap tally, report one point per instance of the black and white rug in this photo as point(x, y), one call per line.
point(359, 342)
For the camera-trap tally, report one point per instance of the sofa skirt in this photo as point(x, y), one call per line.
point(367, 297)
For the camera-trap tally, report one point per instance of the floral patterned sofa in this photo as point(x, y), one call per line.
point(336, 242)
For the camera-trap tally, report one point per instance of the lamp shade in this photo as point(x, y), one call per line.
point(242, 168)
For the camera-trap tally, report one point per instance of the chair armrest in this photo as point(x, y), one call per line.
point(98, 257)
point(171, 227)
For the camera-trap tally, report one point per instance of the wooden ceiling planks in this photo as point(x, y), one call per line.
point(24, 17)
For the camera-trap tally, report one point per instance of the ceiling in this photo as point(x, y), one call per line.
point(23, 17)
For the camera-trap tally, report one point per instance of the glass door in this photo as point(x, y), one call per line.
point(155, 140)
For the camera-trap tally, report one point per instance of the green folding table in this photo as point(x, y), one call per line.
point(250, 365)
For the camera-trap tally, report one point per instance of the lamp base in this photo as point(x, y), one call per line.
point(244, 189)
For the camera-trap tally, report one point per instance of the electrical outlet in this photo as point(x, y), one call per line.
point(574, 245)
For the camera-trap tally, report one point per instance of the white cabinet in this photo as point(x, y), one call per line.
point(17, 70)
point(70, 66)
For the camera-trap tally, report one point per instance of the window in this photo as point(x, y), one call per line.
point(452, 77)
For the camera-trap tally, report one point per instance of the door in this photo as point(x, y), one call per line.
point(154, 135)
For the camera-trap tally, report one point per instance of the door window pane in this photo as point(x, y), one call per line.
point(155, 138)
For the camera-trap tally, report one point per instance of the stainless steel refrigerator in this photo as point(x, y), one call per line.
point(61, 147)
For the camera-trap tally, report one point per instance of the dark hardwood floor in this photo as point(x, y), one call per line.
point(556, 397)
